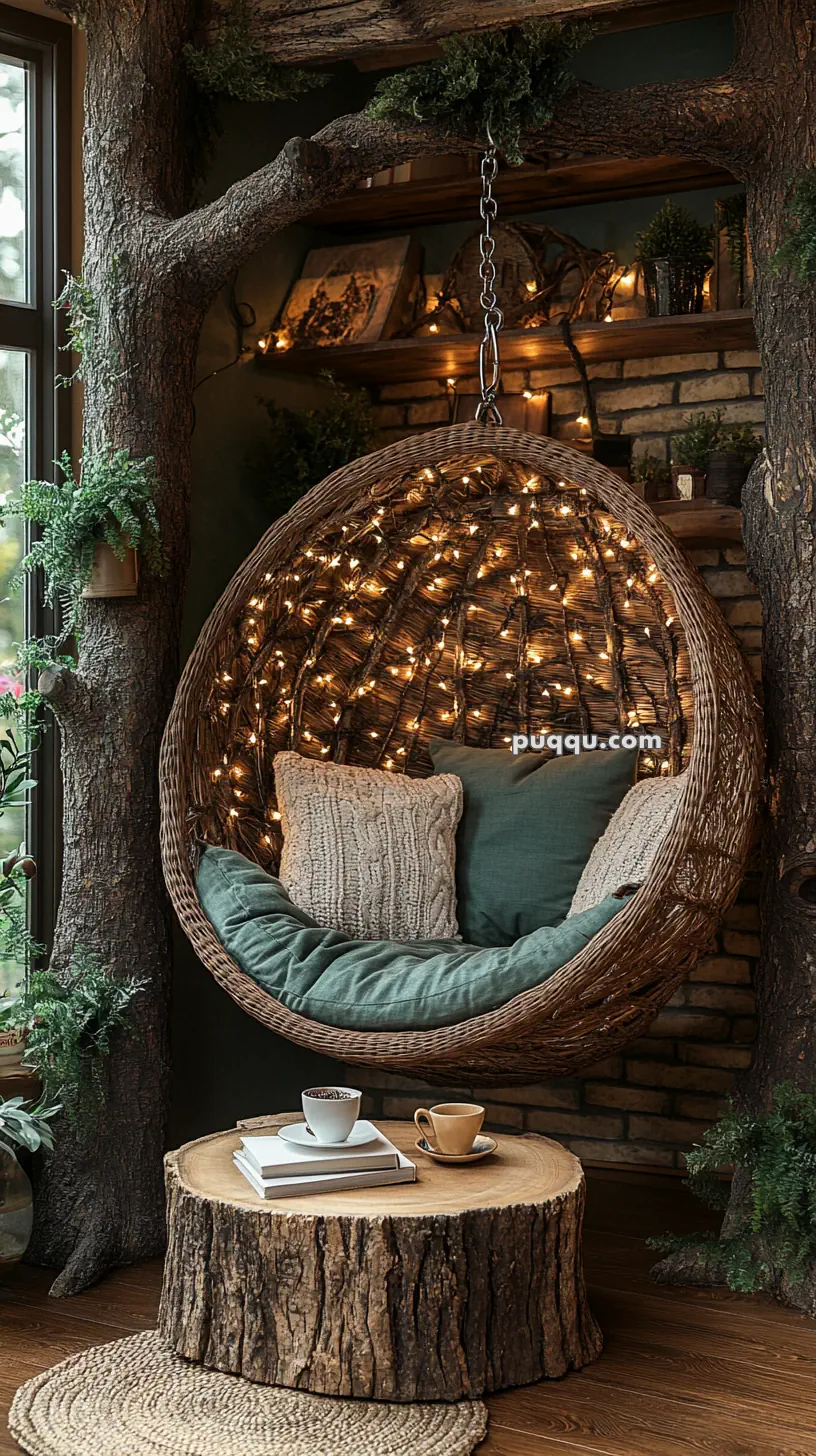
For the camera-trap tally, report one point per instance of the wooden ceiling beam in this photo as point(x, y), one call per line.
point(295, 33)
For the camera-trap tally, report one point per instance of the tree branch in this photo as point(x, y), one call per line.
point(706, 119)
point(308, 172)
point(714, 120)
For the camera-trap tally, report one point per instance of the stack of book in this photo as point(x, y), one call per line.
point(279, 1169)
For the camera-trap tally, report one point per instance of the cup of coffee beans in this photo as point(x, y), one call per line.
point(331, 1112)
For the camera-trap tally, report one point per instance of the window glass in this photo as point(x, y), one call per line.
point(13, 391)
point(14, 86)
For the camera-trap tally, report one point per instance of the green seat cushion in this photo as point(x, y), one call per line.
point(372, 985)
point(529, 824)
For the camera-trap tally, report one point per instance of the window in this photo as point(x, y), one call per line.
point(35, 182)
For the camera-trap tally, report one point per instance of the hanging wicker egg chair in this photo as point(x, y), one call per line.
point(471, 583)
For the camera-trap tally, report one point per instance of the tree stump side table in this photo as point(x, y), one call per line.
point(467, 1281)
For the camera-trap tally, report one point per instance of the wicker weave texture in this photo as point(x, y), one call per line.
point(472, 583)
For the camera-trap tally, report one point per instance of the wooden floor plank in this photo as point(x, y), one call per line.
point(684, 1372)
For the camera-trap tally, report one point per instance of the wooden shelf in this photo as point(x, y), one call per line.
point(439, 356)
point(529, 188)
point(699, 523)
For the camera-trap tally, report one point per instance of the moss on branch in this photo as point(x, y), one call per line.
point(507, 81)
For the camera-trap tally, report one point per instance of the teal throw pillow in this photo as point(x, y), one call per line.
point(529, 824)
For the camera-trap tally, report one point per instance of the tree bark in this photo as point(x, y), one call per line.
point(100, 1203)
point(780, 538)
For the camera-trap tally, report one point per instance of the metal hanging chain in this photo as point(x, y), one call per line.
point(487, 411)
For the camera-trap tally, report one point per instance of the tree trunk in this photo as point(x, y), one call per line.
point(101, 1203)
point(423, 1291)
point(780, 538)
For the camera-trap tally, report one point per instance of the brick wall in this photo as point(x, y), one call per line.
point(645, 398)
point(651, 1102)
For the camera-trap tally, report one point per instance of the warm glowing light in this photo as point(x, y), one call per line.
point(433, 328)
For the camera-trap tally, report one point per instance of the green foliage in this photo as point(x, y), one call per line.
point(113, 501)
point(674, 233)
point(17, 868)
point(24, 1126)
point(506, 80)
point(731, 215)
point(304, 446)
point(236, 65)
point(777, 1149)
point(651, 470)
point(798, 251)
point(72, 1022)
point(705, 433)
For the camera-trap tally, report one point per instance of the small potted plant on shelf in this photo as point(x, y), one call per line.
point(712, 458)
point(675, 254)
point(729, 463)
point(655, 476)
point(21, 1126)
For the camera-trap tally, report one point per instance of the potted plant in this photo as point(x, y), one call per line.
point(729, 463)
point(21, 1126)
point(71, 1021)
point(675, 254)
point(717, 457)
point(654, 475)
point(91, 528)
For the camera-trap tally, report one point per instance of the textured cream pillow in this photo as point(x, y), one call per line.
point(369, 852)
point(624, 853)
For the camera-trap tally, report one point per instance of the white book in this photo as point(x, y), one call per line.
point(273, 1157)
point(292, 1187)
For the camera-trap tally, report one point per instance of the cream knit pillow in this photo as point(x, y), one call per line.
point(369, 852)
point(624, 853)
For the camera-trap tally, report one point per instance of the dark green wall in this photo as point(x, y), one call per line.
point(225, 1064)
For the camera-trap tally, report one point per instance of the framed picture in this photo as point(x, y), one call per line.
point(355, 294)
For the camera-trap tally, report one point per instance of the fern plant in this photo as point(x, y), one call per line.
point(674, 233)
point(16, 941)
point(798, 251)
point(504, 81)
point(777, 1150)
point(72, 1021)
point(113, 501)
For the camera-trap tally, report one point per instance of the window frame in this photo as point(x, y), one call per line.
point(35, 326)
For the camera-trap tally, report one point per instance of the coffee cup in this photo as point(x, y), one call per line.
point(331, 1112)
point(452, 1126)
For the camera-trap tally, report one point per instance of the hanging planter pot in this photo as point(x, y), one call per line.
point(726, 474)
point(674, 285)
point(112, 577)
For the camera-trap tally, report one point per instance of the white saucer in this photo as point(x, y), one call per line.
point(298, 1133)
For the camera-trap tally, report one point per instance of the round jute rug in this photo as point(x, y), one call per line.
point(134, 1397)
